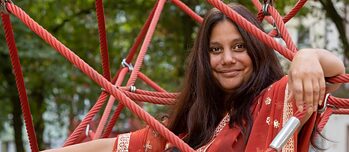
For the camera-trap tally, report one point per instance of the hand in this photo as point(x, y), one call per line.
point(306, 80)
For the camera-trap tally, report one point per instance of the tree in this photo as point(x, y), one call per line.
point(57, 88)
point(10, 97)
point(339, 21)
point(70, 90)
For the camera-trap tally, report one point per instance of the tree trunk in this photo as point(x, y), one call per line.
point(38, 107)
point(17, 123)
point(332, 13)
point(14, 100)
point(188, 30)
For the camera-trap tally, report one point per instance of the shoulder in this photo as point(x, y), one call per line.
point(280, 83)
point(276, 87)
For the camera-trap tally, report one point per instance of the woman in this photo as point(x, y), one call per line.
point(235, 96)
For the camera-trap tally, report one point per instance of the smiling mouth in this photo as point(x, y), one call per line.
point(232, 73)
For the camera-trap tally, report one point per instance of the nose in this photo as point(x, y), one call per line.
point(228, 57)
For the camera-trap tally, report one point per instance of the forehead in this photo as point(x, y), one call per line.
point(224, 30)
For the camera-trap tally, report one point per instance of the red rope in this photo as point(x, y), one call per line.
point(291, 14)
point(153, 93)
point(150, 99)
point(150, 82)
point(146, 43)
point(157, 94)
point(281, 26)
point(341, 111)
point(72, 139)
point(338, 102)
point(109, 106)
point(324, 119)
point(95, 76)
point(260, 15)
point(141, 35)
point(249, 27)
point(16, 66)
point(285, 19)
point(103, 39)
point(119, 108)
point(300, 115)
point(113, 120)
point(104, 54)
point(153, 97)
point(139, 60)
point(105, 61)
point(187, 10)
point(129, 58)
point(343, 78)
point(294, 10)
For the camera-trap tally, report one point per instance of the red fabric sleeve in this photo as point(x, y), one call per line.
point(145, 139)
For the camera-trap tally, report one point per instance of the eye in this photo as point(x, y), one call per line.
point(239, 47)
point(215, 50)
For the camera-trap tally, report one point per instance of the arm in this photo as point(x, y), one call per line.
point(306, 77)
point(100, 145)
point(140, 140)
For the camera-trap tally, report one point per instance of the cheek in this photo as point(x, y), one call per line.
point(247, 62)
point(248, 73)
point(214, 61)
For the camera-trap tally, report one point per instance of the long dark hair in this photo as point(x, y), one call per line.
point(202, 102)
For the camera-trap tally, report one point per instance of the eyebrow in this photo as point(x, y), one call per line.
point(234, 41)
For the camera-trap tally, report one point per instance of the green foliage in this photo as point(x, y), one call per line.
point(66, 92)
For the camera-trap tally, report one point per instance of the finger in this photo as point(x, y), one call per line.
point(316, 93)
point(308, 93)
point(322, 84)
point(297, 89)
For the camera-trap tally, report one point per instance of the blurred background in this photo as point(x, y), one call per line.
point(60, 95)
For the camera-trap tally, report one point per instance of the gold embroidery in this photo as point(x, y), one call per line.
point(219, 128)
point(276, 124)
point(268, 120)
point(123, 142)
point(221, 125)
point(155, 133)
point(147, 146)
point(287, 114)
point(267, 101)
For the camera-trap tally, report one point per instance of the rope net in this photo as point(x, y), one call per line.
point(127, 94)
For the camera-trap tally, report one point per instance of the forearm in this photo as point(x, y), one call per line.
point(100, 145)
point(331, 64)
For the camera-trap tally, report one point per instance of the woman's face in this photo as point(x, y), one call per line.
point(231, 65)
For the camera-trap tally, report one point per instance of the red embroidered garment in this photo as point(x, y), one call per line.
point(272, 109)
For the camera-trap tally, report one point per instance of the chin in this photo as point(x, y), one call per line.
point(231, 86)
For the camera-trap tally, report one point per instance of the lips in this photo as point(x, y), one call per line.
point(230, 73)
